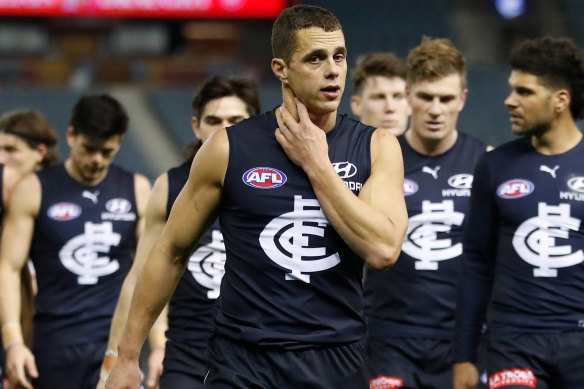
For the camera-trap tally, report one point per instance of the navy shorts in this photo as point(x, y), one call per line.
point(403, 362)
point(235, 365)
point(408, 362)
point(72, 367)
point(536, 360)
point(185, 366)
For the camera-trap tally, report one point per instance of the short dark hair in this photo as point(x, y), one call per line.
point(99, 116)
point(220, 86)
point(377, 64)
point(296, 18)
point(33, 128)
point(433, 59)
point(217, 87)
point(557, 62)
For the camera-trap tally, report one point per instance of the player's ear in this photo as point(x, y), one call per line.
point(195, 127)
point(280, 69)
point(561, 99)
point(356, 105)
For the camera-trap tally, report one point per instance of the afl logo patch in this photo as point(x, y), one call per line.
point(264, 178)
point(410, 187)
point(64, 211)
point(577, 184)
point(515, 188)
point(461, 181)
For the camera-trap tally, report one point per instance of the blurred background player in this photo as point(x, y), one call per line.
point(291, 310)
point(27, 143)
point(379, 92)
point(220, 102)
point(411, 318)
point(78, 221)
point(524, 244)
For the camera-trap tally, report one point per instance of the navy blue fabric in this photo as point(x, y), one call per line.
point(185, 366)
point(71, 367)
point(82, 249)
point(417, 296)
point(238, 366)
point(524, 242)
point(290, 281)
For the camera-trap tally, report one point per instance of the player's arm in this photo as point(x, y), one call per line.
point(192, 214)
point(372, 224)
point(153, 220)
point(142, 192)
point(476, 279)
point(17, 235)
point(9, 179)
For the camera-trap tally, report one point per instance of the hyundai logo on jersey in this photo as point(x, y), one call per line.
point(410, 187)
point(345, 169)
point(118, 206)
point(461, 181)
point(515, 188)
point(264, 178)
point(64, 211)
point(577, 184)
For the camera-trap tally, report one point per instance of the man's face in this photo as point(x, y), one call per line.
point(91, 157)
point(530, 104)
point(435, 106)
point(382, 103)
point(217, 114)
point(317, 69)
point(15, 152)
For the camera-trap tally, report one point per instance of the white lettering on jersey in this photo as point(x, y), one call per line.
point(430, 171)
point(81, 254)
point(551, 171)
point(535, 240)
point(285, 240)
point(207, 264)
point(422, 243)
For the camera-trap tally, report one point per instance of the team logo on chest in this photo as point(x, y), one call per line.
point(64, 211)
point(264, 178)
point(515, 188)
point(87, 254)
point(535, 240)
point(422, 242)
point(286, 240)
point(207, 264)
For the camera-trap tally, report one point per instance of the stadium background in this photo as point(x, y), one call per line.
point(153, 65)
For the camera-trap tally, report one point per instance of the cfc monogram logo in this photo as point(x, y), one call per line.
point(422, 242)
point(207, 264)
point(81, 255)
point(535, 240)
point(285, 240)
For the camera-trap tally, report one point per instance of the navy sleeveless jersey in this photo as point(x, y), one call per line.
point(191, 307)
point(82, 249)
point(525, 243)
point(417, 296)
point(290, 281)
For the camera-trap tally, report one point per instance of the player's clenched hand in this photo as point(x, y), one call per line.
point(125, 375)
point(19, 363)
point(154, 368)
point(304, 143)
point(466, 376)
